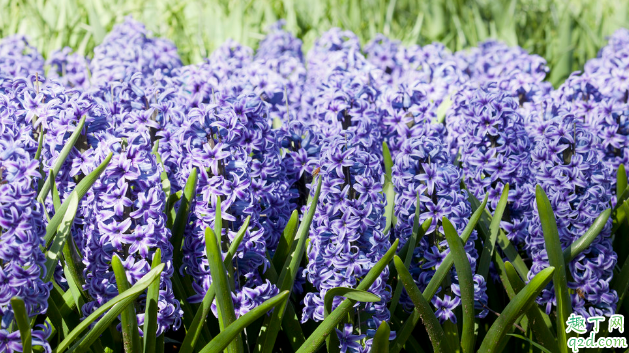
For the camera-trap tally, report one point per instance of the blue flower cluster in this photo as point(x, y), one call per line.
point(22, 227)
point(423, 170)
point(494, 149)
point(567, 163)
point(347, 238)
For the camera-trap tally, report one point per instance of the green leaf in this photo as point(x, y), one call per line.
point(556, 260)
point(388, 161)
point(576, 247)
point(233, 331)
point(621, 180)
point(406, 252)
point(194, 330)
point(443, 269)
point(150, 313)
point(120, 302)
point(272, 323)
point(218, 222)
point(542, 332)
point(422, 310)
point(81, 189)
point(66, 305)
point(96, 28)
point(388, 189)
point(380, 342)
point(73, 266)
point(418, 234)
point(466, 283)
point(179, 225)
point(516, 307)
point(316, 339)
point(130, 334)
point(286, 241)
point(503, 241)
point(21, 318)
point(494, 228)
point(290, 323)
point(54, 253)
point(349, 293)
point(224, 302)
point(620, 283)
point(56, 319)
point(169, 209)
point(41, 197)
point(563, 67)
point(56, 201)
point(537, 345)
point(163, 175)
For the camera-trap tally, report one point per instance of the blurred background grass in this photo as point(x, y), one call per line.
point(566, 33)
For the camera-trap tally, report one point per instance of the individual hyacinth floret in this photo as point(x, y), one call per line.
point(423, 169)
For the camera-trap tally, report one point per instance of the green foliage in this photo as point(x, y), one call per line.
point(22, 323)
point(565, 33)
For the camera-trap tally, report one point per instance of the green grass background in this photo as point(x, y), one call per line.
point(566, 33)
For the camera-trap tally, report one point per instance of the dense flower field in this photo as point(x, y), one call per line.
point(352, 190)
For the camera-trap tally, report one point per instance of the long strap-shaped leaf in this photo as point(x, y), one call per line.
point(316, 339)
point(54, 253)
point(150, 313)
point(43, 193)
point(505, 244)
point(511, 252)
point(621, 211)
point(290, 323)
point(74, 265)
point(621, 180)
point(406, 253)
point(81, 189)
point(443, 269)
point(130, 334)
point(576, 247)
point(272, 323)
point(516, 307)
point(128, 297)
point(422, 310)
point(466, 283)
point(349, 293)
point(556, 260)
point(536, 321)
point(286, 241)
point(620, 283)
point(224, 303)
point(21, 318)
point(388, 189)
point(381, 339)
point(494, 229)
point(233, 331)
point(194, 330)
point(179, 225)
